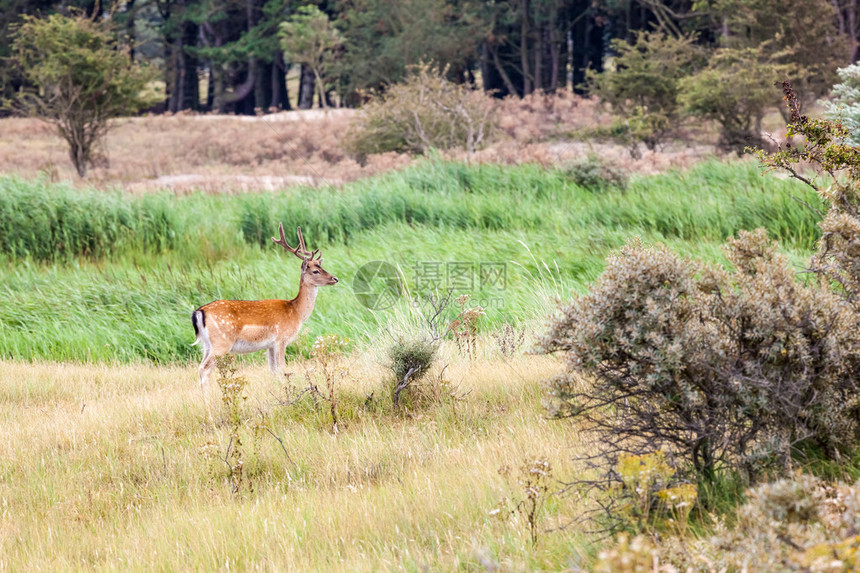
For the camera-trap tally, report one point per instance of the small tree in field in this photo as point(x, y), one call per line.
point(80, 80)
point(734, 91)
point(642, 89)
point(307, 38)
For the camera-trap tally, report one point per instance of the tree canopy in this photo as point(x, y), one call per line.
point(235, 56)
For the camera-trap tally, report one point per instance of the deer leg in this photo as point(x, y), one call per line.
point(273, 361)
point(205, 370)
point(276, 358)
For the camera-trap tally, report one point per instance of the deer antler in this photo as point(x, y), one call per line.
point(301, 251)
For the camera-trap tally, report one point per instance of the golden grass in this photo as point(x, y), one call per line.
point(102, 469)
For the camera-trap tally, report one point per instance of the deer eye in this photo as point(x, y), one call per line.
point(316, 272)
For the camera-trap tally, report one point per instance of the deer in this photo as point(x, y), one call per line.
point(244, 326)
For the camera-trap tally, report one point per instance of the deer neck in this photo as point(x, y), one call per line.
point(304, 301)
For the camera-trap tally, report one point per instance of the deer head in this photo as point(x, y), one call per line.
point(312, 272)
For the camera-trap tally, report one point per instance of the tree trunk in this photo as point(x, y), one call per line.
point(129, 28)
point(210, 88)
point(262, 86)
point(174, 85)
point(219, 95)
point(321, 89)
point(538, 53)
point(568, 81)
point(553, 55)
point(524, 46)
point(280, 97)
point(189, 80)
point(512, 90)
point(306, 88)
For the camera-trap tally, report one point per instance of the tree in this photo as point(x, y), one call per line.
point(734, 90)
point(643, 86)
point(82, 80)
point(384, 38)
point(804, 35)
point(309, 38)
point(846, 102)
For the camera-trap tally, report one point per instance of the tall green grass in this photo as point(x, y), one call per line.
point(132, 268)
point(52, 222)
point(709, 202)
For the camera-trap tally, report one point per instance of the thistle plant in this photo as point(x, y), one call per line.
point(328, 352)
point(233, 397)
point(465, 327)
point(534, 480)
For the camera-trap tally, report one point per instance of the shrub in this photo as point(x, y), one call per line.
point(642, 89)
point(729, 370)
point(427, 111)
point(410, 358)
point(535, 481)
point(595, 174)
point(509, 338)
point(464, 327)
point(233, 398)
point(826, 149)
point(328, 353)
point(734, 90)
point(801, 523)
point(797, 524)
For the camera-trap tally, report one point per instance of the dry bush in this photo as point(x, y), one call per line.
point(729, 370)
point(797, 524)
point(596, 174)
point(425, 112)
point(185, 151)
point(540, 116)
point(535, 484)
point(329, 353)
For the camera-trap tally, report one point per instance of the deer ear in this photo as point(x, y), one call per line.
point(304, 265)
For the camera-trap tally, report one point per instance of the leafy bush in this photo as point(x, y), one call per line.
point(410, 357)
point(734, 90)
point(730, 370)
point(825, 148)
point(642, 89)
point(595, 174)
point(427, 111)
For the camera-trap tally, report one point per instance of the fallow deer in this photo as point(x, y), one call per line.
point(242, 326)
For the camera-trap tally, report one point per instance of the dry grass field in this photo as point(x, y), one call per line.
point(238, 153)
point(105, 468)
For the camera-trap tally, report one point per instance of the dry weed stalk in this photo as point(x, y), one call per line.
point(328, 352)
point(465, 327)
point(534, 480)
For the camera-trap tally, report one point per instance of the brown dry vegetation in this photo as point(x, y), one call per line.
point(238, 153)
point(101, 468)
